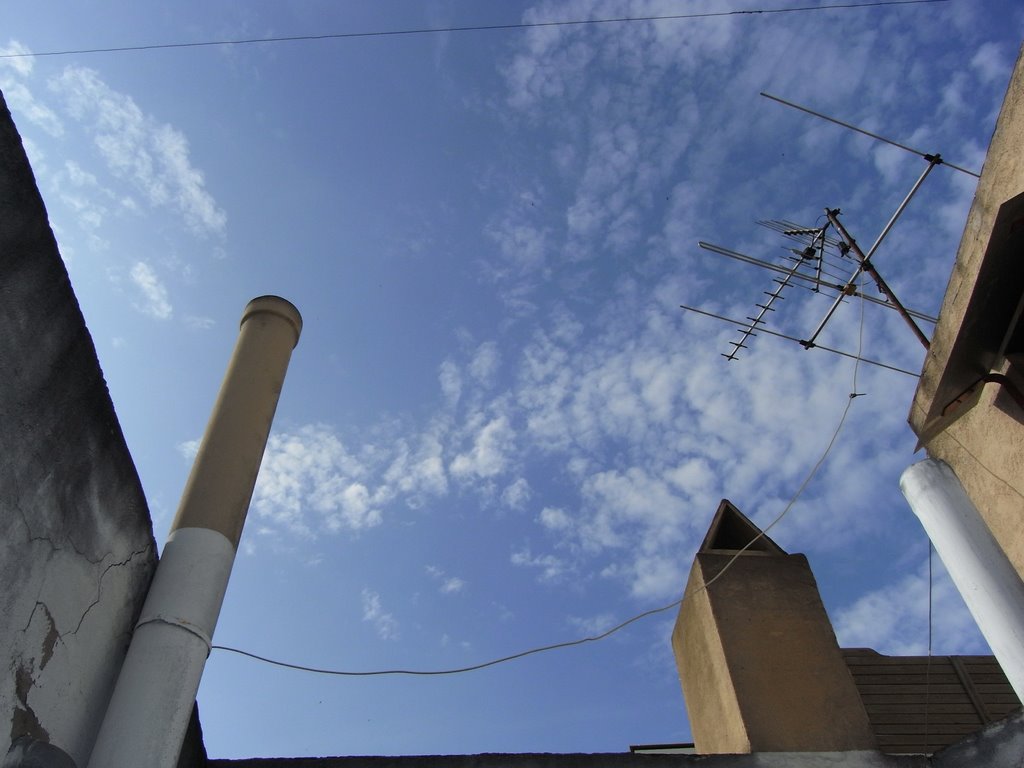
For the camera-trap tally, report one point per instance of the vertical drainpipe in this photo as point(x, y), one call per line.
point(152, 701)
point(980, 569)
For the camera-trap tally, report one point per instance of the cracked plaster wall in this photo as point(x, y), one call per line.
point(76, 542)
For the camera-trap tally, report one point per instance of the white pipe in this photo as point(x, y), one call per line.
point(150, 707)
point(977, 564)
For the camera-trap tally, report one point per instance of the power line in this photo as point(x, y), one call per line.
point(473, 28)
point(607, 633)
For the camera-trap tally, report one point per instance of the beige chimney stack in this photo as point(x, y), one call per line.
point(759, 663)
point(149, 709)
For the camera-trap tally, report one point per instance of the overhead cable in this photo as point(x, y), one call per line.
point(622, 625)
point(471, 28)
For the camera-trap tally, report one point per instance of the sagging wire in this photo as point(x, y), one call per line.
point(928, 664)
point(622, 625)
point(473, 28)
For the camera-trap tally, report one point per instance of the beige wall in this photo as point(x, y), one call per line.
point(985, 444)
point(759, 664)
point(708, 690)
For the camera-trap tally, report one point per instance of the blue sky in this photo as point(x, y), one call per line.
point(498, 430)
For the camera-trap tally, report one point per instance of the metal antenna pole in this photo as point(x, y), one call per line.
point(868, 267)
point(917, 185)
point(865, 263)
point(821, 257)
point(846, 290)
point(904, 147)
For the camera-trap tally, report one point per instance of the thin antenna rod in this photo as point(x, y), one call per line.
point(794, 338)
point(867, 266)
point(906, 200)
point(904, 147)
point(758, 320)
point(825, 283)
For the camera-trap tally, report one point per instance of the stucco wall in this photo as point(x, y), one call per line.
point(76, 543)
point(985, 445)
point(759, 663)
point(708, 689)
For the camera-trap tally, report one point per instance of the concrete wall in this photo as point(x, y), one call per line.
point(985, 443)
point(76, 543)
point(759, 663)
point(708, 689)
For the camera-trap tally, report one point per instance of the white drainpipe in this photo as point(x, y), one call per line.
point(977, 564)
point(152, 701)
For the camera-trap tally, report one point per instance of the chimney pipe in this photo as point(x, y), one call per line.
point(152, 701)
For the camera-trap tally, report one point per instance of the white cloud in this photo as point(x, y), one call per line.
point(485, 362)
point(20, 61)
point(489, 455)
point(189, 449)
point(155, 300)
point(551, 568)
point(448, 585)
point(522, 244)
point(14, 72)
point(644, 515)
point(345, 504)
point(894, 619)
point(416, 468)
point(990, 63)
point(383, 621)
point(452, 584)
point(199, 322)
point(84, 197)
point(516, 494)
point(152, 156)
point(309, 480)
point(555, 519)
point(592, 625)
point(451, 381)
point(79, 176)
point(23, 102)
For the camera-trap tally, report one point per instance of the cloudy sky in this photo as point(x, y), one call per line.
point(499, 430)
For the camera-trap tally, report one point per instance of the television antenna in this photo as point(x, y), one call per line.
point(814, 242)
point(814, 265)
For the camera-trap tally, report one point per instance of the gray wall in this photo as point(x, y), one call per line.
point(76, 542)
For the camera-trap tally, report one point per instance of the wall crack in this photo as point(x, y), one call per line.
point(99, 588)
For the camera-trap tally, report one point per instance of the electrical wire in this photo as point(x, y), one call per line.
point(473, 28)
point(928, 664)
point(622, 625)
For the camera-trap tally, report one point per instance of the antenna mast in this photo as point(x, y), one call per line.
point(815, 242)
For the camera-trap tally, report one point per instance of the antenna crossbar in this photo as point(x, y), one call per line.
point(807, 278)
point(918, 152)
point(794, 231)
point(758, 320)
point(867, 266)
point(794, 338)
